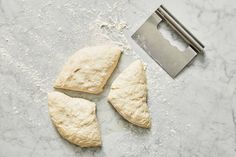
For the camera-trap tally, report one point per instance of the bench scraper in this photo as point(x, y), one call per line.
point(169, 57)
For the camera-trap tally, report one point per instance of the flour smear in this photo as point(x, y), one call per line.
point(109, 26)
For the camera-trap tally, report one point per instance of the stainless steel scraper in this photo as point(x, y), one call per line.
point(170, 58)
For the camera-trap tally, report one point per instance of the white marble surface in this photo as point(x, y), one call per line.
point(192, 116)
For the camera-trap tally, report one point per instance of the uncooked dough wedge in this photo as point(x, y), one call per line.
point(89, 69)
point(75, 119)
point(128, 95)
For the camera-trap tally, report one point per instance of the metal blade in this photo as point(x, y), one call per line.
point(171, 59)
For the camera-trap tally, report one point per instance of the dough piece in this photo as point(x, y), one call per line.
point(89, 69)
point(75, 119)
point(128, 95)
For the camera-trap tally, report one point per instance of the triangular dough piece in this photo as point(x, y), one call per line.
point(89, 69)
point(128, 95)
point(75, 119)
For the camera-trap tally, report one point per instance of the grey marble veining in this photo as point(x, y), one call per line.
point(192, 116)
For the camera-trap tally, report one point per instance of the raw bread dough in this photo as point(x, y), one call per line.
point(75, 119)
point(128, 95)
point(89, 69)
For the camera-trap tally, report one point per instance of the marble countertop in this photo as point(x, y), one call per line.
point(193, 115)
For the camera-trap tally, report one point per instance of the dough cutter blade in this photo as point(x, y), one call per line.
point(169, 57)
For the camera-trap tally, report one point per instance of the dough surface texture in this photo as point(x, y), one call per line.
point(88, 69)
point(75, 119)
point(128, 95)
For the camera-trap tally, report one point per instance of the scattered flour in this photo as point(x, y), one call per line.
point(109, 26)
point(29, 71)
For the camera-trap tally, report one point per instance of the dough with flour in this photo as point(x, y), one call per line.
point(75, 119)
point(128, 95)
point(89, 69)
